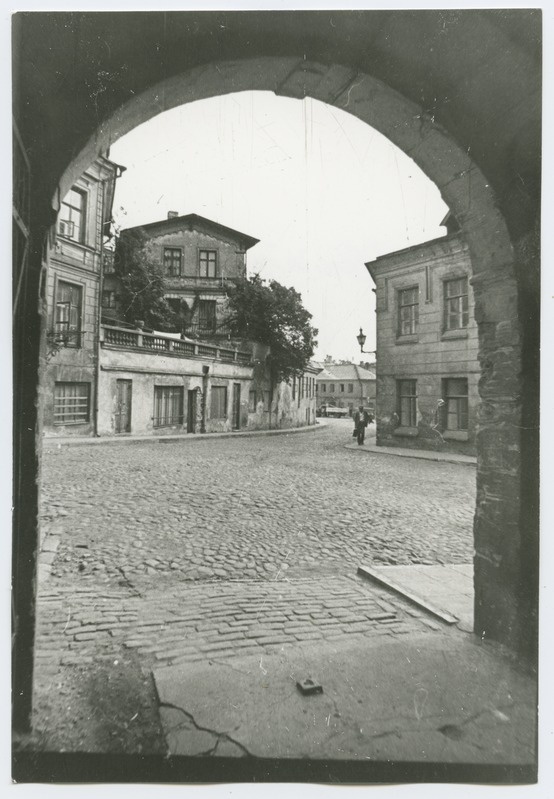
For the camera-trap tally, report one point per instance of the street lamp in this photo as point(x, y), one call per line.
point(361, 337)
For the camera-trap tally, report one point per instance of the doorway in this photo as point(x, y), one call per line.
point(191, 411)
point(124, 395)
point(236, 406)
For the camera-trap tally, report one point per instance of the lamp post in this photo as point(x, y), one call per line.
point(361, 337)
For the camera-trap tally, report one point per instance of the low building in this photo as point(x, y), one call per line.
point(345, 385)
point(160, 384)
point(200, 259)
point(427, 345)
point(72, 289)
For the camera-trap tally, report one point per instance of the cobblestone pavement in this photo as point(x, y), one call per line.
point(185, 551)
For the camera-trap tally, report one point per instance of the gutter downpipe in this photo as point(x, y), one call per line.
point(99, 315)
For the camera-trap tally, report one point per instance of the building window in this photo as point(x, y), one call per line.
point(71, 403)
point(173, 261)
point(108, 261)
point(342, 388)
point(323, 388)
point(455, 396)
point(108, 298)
point(294, 386)
point(408, 311)
point(252, 404)
point(331, 388)
point(67, 321)
point(168, 406)
point(456, 304)
point(71, 219)
point(267, 400)
point(351, 388)
point(208, 263)
point(206, 315)
point(407, 402)
point(218, 402)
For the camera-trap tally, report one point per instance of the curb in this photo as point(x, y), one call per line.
point(56, 443)
point(423, 455)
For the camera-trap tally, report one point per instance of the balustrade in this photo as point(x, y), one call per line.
point(137, 339)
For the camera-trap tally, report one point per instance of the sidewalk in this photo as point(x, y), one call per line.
point(123, 438)
point(422, 454)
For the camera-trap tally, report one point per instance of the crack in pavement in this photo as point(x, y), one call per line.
point(220, 736)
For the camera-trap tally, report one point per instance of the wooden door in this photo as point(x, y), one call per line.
point(191, 411)
point(236, 406)
point(123, 406)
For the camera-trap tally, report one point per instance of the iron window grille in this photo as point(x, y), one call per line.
point(456, 403)
point(456, 304)
point(407, 402)
point(173, 261)
point(71, 220)
point(208, 263)
point(67, 321)
point(168, 406)
point(71, 403)
point(408, 311)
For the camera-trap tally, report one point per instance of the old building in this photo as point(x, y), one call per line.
point(161, 384)
point(73, 285)
point(345, 385)
point(427, 367)
point(200, 258)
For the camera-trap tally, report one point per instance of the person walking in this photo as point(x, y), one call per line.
point(361, 421)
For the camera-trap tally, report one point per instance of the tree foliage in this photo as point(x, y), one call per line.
point(142, 283)
point(273, 314)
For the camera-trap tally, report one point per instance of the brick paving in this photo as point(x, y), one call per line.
point(161, 554)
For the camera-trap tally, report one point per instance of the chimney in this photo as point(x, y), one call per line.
point(172, 214)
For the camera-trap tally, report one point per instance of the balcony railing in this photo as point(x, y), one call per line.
point(123, 338)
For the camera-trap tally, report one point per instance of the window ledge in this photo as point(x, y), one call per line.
point(456, 435)
point(406, 432)
point(449, 334)
point(413, 339)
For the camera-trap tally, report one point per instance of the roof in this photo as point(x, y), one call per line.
point(195, 220)
point(345, 371)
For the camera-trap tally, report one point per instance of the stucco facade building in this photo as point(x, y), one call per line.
point(71, 305)
point(346, 385)
point(427, 345)
point(199, 259)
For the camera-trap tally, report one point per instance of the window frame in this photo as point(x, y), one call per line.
point(81, 212)
point(73, 335)
point(78, 385)
point(208, 252)
point(224, 406)
point(462, 311)
point(173, 392)
point(406, 389)
point(413, 313)
point(202, 304)
point(168, 263)
point(113, 302)
point(459, 403)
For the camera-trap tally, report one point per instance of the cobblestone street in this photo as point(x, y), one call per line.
point(185, 551)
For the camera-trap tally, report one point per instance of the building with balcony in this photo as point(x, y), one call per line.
point(345, 385)
point(200, 258)
point(427, 367)
point(72, 286)
point(161, 384)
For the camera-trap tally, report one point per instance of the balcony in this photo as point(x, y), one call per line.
point(125, 338)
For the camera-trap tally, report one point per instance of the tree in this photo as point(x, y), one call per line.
point(142, 283)
point(273, 314)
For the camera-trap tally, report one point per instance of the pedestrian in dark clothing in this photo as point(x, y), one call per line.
point(361, 421)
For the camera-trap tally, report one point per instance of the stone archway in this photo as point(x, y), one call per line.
point(428, 102)
point(471, 199)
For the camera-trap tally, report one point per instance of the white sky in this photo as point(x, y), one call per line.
point(322, 191)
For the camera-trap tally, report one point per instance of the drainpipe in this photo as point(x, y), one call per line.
point(99, 314)
point(205, 373)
